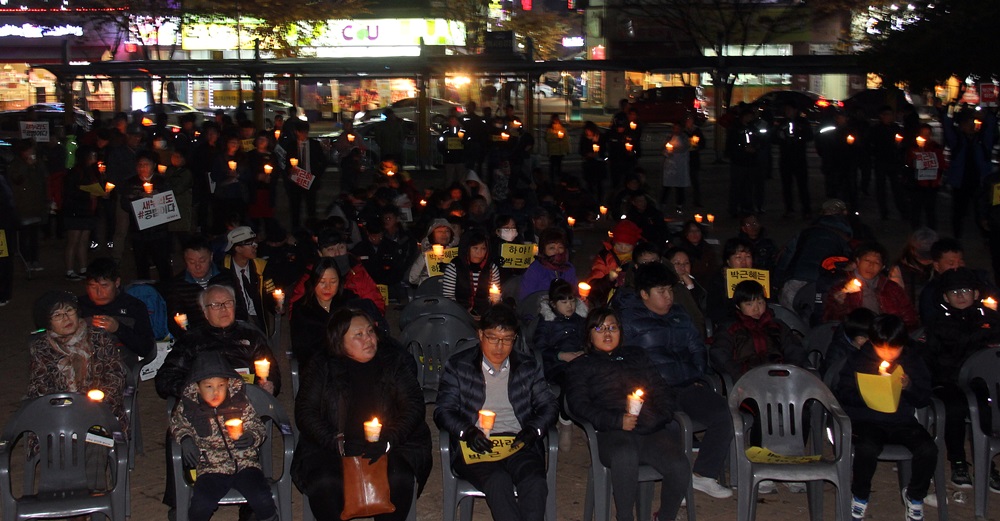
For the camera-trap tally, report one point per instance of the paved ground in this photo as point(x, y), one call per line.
point(148, 479)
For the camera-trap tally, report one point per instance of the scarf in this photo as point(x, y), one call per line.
point(76, 349)
point(557, 262)
point(761, 331)
point(869, 293)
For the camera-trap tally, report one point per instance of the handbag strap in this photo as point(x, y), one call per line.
point(341, 411)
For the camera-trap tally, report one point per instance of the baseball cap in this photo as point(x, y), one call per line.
point(238, 235)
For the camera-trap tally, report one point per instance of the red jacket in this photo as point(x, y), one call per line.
point(892, 299)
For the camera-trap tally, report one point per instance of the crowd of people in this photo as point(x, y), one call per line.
point(661, 307)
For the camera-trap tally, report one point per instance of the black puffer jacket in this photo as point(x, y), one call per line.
point(401, 407)
point(917, 394)
point(462, 393)
point(598, 383)
point(241, 343)
point(558, 334)
point(182, 292)
point(955, 336)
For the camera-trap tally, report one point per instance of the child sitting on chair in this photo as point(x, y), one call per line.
point(886, 352)
point(224, 456)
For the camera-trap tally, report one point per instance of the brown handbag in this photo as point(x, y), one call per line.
point(366, 484)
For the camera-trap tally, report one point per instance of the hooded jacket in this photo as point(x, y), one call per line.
point(955, 336)
point(671, 341)
point(206, 424)
point(917, 394)
point(418, 271)
point(556, 334)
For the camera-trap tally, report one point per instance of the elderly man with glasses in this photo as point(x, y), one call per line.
point(240, 342)
point(492, 377)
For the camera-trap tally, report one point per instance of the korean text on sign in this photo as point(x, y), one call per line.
point(516, 256)
point(736, 275)
point(435, 262)
point(156, 209)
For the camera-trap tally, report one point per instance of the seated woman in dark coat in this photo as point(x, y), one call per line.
point(597, 386)
point(351, 382)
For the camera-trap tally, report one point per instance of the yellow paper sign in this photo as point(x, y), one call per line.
point(454, 143)
point(516, 256)
point(93, 189)
point(996, 194)
point(384, 290)
point(434, 262)
point(762, 455)
point(881, 392)
point(736, 275)
point(3, 244)
point(501, 449)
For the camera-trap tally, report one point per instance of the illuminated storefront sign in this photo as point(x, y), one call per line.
point(384, 32)
point(34, 31)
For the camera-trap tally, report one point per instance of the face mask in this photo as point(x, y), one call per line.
point(508, 235)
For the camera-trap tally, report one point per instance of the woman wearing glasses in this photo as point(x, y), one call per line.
point(240, 342)
point(597, 388)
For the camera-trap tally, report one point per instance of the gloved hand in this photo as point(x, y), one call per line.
point(245, 442)
point(526, 437)
point(374, 450)
point(189, 452)
point(477, 440)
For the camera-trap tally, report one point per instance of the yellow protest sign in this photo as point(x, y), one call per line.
point(384, 290)
point(736, 275)
point(502, 447)
point(881, 391)
point(762, 455)
point(434, 262)
point(454, 143)
point(516, 256)
point(3, 244)
point(996, 194)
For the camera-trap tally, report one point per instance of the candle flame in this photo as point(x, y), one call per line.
point(95, 394)
point(883, 368)
point(374, 422)
point(638, 393)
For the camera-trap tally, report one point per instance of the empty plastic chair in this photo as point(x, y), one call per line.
point(424, 306)
point(431, 340)
point(432, 287)
point(982, 372)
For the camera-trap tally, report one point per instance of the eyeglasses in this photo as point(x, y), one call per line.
point(957, 292)
point(69, 313)
point(495, 340)
point(606, 329)
point(217, 306)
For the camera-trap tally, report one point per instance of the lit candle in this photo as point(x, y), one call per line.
point(883, 368)
point(101, 167)
point(294, 162)
point(438, 250)
point(899, 138)
point(670, 147)
point(423, 202)
point(534, 249)
point(373, 429)
point(853, 286)
point(486, 419)
point(277, 133)
point(635, 402)
point(108, 187)
point(461, 134)
point(350, 138)
point(990, 302)
point(694, 141)
point(632, 125)
point(711, 218)
point(611, 234)
point(698, 218)
point(921, 141)
point(516, 124)
point(596, 147)
point(850, 139)
point(628, 147)
point(570, 221)
point(235, 428)
point(147, 187)
point(494, 294)
point(390, 173)
point(232, 165)
point(182, 320)
point(95, 394)
point(978, 123)
point(262, 368)
point(161, 169)
point(504, 136)
point(584, 289)
point(268, 169)
point(197, 133)
point(560, 134)
point(604, 210)
point(279, 297)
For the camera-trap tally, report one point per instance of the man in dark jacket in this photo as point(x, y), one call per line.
point(674, 346)
point(123, 316)
point(182, 292)
point(493, 377)
point(240, 342)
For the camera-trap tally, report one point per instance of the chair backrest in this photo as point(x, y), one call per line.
point(782, 395)
point(273, 415)
point(432, 287)
point(512, 287)
point(62, 422)
point(790, 319)
point(817, 341)
point(527, 309)
point(982, 372)
point(423, 306)
point(431, 340)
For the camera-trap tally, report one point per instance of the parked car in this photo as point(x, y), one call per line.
point(83, 119)
point(174, 111)
point(10, 122)
point(366, 131)
point(671, 105)
point(871, 100)
point(406, 108)
point(271, 108)
point(771, 105)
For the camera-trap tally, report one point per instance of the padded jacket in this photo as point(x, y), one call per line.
point(917, 394)
point(671, 341)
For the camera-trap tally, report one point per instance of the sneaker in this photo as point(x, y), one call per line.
point(35, 266)
point(94, 245)
point(72, 275)
point(858, 508)
point(767, 487)
point(710, 486)
point(994, 481)
point(960, 475)
point(930, 500)
point(914, 508)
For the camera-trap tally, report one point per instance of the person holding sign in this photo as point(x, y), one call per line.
point(440, 236)
point(926, 164)
point(150, 245)
point(879, 417)
point(468, 277)
point(359, 377)
point(737, 253)
point(303, 171)
point(507, 249)
point(494, 377)
point(597, 385)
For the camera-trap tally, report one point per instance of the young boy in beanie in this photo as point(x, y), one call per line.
point(215, 394)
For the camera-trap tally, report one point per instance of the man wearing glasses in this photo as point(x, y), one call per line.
point(492, 377)
point(240, 342)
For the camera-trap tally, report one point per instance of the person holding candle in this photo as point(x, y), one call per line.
point(233, 180)
point(558, 333)
point(925, 167)
point(614, 259)
point(183, 290)
point(557, 144)
point(357, 378)
point(676, 168)
point(254, 283)
point(264, 167)
point(593, 151)
point(877, 292)
point(440, 233)
point(79, 209)
point(182, 183)
point(551, 262)
point(492, 376)
point(309, 156)
point(596, 388)
point(964, 327)
point(970, 160)
point(107, 306)
point(467, 279)
point(887, 161)
point(150, 246)
point(872, 429)
point(215, 396)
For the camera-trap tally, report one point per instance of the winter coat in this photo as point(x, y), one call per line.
point(598, 383)
point(182, 292)
point(182, 183)
point(418, 270)
point(135, 332)
point(676, 162)
point(240, 343)
point(401, 405)
point(605, 262)
point(538, 278)
point(969, 155)
point(309, 321)
point(955, 336)
point(747, 343)
point(457, 284)
point(673, 344)
point(462, 393)
point(891, 299)
point(261, 291)
point(558, 334)
point(27, 183)
point(917, 394)
point(557, 146)
point(132, 190)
